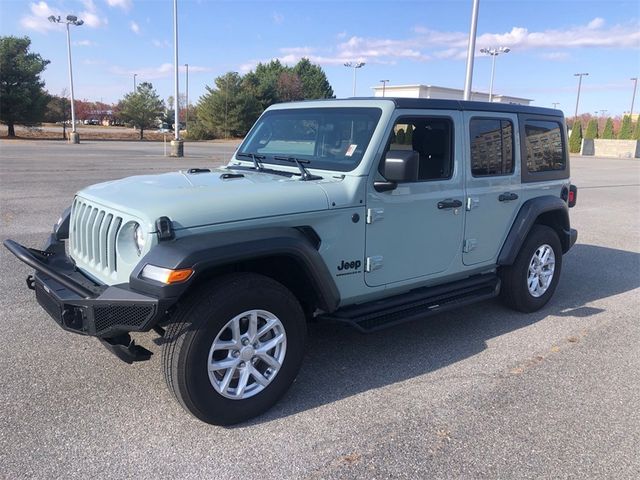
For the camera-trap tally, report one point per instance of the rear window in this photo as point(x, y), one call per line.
point(544, 148)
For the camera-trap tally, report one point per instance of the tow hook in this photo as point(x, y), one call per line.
point(126, 349)
point(31, 282)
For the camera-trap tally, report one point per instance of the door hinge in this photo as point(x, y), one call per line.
point(374, 263)
point(469, 245)
point(375, 214)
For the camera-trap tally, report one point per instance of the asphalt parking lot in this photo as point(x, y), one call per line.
point(481, 392)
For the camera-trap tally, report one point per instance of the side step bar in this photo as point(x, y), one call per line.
point(419, 303)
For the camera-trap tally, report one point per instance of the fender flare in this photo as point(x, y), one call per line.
point(202, 252)
point(526, 218)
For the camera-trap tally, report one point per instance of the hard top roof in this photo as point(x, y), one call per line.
point(439, 104)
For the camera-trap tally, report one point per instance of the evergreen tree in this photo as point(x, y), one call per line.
point(142, 108)
point(400, 136)
point(314, 81)
point(592, 129)
point(575, 139)
point(626, 129)
point(408, 136)
point(636, 131)
point(229, 110)
point(608, 129)
point(22, 97)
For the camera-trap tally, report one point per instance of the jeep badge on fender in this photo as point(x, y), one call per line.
point(228, 265)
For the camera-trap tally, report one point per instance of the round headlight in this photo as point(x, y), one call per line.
point(139, 238)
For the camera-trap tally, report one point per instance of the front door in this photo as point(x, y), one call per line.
point(493, 183)
point(416, 229)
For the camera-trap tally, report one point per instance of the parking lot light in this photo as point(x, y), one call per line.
point(74, 137)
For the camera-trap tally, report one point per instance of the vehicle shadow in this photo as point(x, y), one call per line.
point(342, 362)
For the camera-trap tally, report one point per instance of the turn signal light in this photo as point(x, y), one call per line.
point(166, 275)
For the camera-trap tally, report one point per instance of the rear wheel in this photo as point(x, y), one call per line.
point(235, 348)
point(530, 282)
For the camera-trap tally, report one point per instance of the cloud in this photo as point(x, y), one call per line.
point(135, 28)
point(153, 73)
point(160, 43)
point(93, 20)
point(123, 4)
point(555, 56)
point(277, 18)
point(38, 20)
point(595, 23)
point(83, 43)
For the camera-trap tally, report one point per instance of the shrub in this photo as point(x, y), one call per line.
point(575, 139)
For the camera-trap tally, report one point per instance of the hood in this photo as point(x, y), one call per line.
point(194, 199)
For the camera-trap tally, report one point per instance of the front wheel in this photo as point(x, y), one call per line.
point(530, 282)
point(235, 348)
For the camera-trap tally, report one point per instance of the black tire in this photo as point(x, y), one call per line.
point(198, 321)
point(515, 291)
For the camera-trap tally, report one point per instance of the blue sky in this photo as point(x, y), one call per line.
point(407, 42)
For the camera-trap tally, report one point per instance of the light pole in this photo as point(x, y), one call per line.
point(471, 49)
point(384, 84)
point(134, 82)
point(579, 75)
point(74, 137)
point(177, 146)
point(186, 118)
point(355, 66)
point(555, 104)
point(633, 97)
point(494, 52)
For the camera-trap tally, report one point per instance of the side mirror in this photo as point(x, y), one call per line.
point(401, 166)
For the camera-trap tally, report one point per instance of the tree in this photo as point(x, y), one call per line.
point(636, 131)
point(626, 129)
point(289, 87)
point(400, 136)
point(608, 129)
point(228, 110)
point(141, 108)
point(575, 139)
point(22, 96)
point(592, 129)
point(59, 110)
point(408, 136)
point(313, 79)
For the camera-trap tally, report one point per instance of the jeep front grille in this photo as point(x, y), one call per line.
point(93, 235)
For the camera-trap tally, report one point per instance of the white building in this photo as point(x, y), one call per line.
point(433, 91)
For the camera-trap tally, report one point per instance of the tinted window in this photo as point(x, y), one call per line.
point(432, 139)
point(330, 138)
point(544, 146)
point(491, 147)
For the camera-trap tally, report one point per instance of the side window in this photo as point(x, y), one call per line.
point(491, 147)
point(544, 146)
point(432, 138)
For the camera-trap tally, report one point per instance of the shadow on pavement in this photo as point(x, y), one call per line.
point(341, 362)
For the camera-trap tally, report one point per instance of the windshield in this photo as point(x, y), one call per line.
point(329, 138)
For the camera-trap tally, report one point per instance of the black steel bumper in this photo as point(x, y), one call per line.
point(80, 305)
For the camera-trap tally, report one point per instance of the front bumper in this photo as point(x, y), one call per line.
point(80, 305)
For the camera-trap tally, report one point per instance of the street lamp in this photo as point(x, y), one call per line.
point(635, 85)
point(579, 75)
point(555, 104)
point(134, 82)
point(186, 119)
point(471, 48)
point(494, 52)
point(355, 66)
point(177, 146)
point(74, 137)
point(384, 84)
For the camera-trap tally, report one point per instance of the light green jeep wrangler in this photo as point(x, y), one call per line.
point(369, 212)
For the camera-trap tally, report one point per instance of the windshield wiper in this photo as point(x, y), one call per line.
point(255, 157)
point(306, 175)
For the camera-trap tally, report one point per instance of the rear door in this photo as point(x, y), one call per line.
point(493, 195)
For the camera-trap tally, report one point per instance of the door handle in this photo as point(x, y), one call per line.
point(507, 197)
point(448, 203)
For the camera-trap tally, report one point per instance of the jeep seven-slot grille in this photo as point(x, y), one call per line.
point(93, 235)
